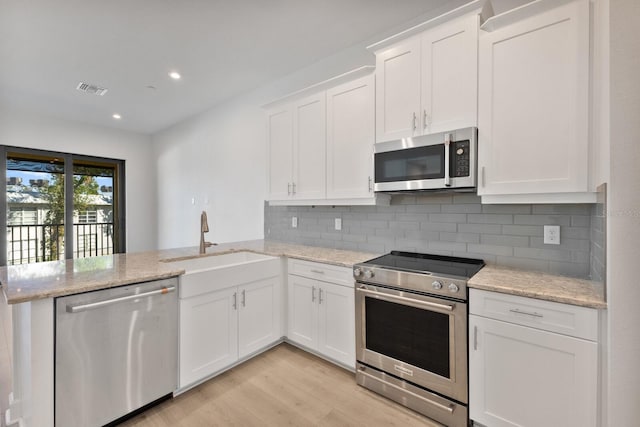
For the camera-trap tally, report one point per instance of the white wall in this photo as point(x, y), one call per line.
point(213, 162)
point(218, 160)
point(22, 129)
point(623, 282)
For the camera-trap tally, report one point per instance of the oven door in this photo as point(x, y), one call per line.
point(414, 337)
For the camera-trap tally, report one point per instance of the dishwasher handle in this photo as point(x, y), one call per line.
point(93, 305)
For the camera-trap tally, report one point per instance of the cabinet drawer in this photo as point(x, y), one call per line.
point(571, 320)
point(326, 272)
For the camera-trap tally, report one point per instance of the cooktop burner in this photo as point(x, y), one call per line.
point(427, 263)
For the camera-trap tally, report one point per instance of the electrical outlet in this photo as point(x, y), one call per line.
point(551, 234)
point(338, 224)
point(294, 222)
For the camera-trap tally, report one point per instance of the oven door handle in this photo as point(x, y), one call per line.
point(383, 295)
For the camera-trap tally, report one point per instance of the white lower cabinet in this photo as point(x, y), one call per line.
point(321, 311)
point(208, 335)
point(219, 328)
point(522, 372)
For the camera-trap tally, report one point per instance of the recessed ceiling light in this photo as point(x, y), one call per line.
point(116, 116)
point(174, 75)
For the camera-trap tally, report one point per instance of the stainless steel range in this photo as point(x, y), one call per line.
point(411, 331)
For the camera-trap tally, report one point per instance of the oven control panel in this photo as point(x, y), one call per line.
point(411, 281)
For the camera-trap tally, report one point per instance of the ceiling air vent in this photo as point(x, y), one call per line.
point(91, 89)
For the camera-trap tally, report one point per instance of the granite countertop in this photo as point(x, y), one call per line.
point(544, 286)
point(28, 282)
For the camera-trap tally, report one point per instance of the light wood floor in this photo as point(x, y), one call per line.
point(284, 386)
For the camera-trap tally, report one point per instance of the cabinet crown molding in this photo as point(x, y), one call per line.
point(521, 12)
point(482, 7)
point(323, 85)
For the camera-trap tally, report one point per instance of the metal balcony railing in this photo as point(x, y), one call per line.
point(44, 242)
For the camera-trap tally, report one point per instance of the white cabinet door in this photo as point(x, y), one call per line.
point(336, 325)
point(398, 91)
point(450, 76)
point(520, 376)
point(280, 139)
point(350, 138)
point(534, 105)
point(258, 316)
point(303, 311)
point(309, 130)
point(208, 334)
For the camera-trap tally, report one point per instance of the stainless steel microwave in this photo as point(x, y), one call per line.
point(440, 161)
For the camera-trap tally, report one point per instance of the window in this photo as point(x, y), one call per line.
point(22, 216)
point(60, 206)
point(85, 217)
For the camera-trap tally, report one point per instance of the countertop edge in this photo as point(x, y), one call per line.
point(539, 296)
point(104, 285)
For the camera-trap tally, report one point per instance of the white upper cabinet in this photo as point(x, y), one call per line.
point(398, 90)
point(321, 143)
point(309, 142)
point(428, 83)
point(450, 76)
point(533, 118)
point(350, 138)
point(280, 137)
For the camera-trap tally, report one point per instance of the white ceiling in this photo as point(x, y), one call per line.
point(221, 48)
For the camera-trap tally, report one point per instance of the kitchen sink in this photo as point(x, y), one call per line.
point(194, 265)
point(213, 272)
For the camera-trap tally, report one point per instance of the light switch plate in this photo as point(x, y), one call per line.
point(338, 224)
point(294, 222)
point(551, 234)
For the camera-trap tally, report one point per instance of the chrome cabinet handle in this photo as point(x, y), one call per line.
point(319, 295)
point(235, 300)
point(288, 188)
point(313, 294)
point(244, 298)
point(414, 122)
point(426, 120)
point(293, 191)
point(528, 313)
point(475, 337)
point(370, 186)
point(93, 305)
point(447, 173)
point(317, 271)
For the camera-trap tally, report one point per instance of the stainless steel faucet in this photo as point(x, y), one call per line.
point(204, 228)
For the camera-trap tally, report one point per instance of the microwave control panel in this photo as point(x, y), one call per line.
point(460, 159)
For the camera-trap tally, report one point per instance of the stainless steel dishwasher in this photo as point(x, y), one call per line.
point(116, 351)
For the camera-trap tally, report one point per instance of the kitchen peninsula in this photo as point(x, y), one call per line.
point(31, 290)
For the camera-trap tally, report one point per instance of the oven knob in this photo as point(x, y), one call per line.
point(368, 274)
point(436, 285)
point(357, 272)
point(453, 287)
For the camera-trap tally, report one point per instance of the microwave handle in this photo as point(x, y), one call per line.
point(447, 174)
